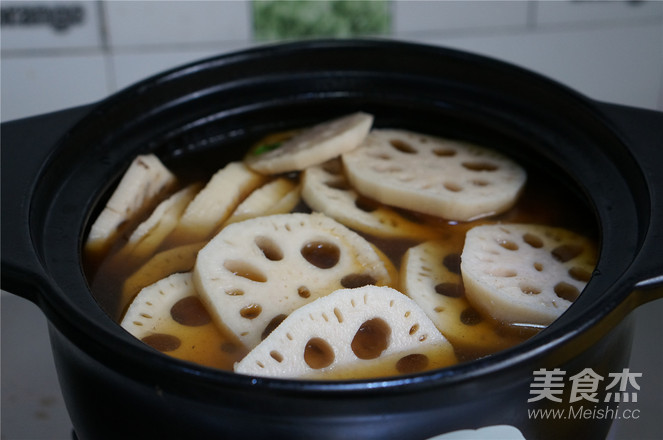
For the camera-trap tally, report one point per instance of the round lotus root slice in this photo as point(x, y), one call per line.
point(314, 145)
point(254, 273)
point(351, 333)
point(170, 317)
point(444, 178)
point(325, 189)
point(430, 275)
point(523, 273)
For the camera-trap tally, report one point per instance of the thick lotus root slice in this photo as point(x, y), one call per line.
point(314, 145)
point(278, 196)
point(444, 178)
point(142, 186)
point(364, 332)
point(256, 272)
point(523, 273)
point(215, 202)
point(325, 189)
point(151, 233)
point(430, 275)
point(170, 317)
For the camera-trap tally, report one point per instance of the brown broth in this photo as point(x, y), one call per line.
point(543, 201)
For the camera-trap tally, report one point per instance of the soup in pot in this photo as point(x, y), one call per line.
point(340, 251)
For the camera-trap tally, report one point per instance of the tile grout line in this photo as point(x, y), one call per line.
point(106, 50)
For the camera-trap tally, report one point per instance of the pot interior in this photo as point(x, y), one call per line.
point(201, 116)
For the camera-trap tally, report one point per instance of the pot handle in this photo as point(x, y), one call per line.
point(642, 130)
point(26, 146)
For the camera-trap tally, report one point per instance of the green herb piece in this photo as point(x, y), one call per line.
point(264, 148)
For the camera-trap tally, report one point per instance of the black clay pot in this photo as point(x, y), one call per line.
point(57, 170)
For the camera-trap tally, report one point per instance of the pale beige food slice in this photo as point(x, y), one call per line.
point(169, 316)
point(151, 233)
point(444, 178)
point(142, 186)
point(314, 145)
point(325, 189)
point(430, 275)
point(151, 308)
point(215, 202)
point(369, 331)
point(255, 272)
point(165, 263)
point(278, 196)
point(525, 273)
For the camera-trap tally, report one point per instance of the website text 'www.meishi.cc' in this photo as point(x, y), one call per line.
point(583, 413)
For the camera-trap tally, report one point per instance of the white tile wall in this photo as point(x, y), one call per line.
point(565, 12)
point(608, 50)
point(160, 23)
point(422, 16)
point(620, 64)
point(46, 37)
point(41, 84)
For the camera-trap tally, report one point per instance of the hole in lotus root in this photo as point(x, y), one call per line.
point(566, 252)
point(470, 316)
point(452, 290)
point(452, 263)
point(529, 289)
point(580, 274)
point(366, 204)
point(480, 166)
point(321, 254)
point(412, 363)
point(269, 248)
point(251, 311)
point(357, 280)
point(371, 339)
point(341, 185)
point(379, 155)
point(453, 187)
point(303, 292)
point(414, 329)
point(338, 314)
point(318, 353)
point(245, 270)
point(503, 272)
point(533, 240)
point(566, 291)
point(162, 342)
point(402, 146)
point(278, 357)
point(444, 152)
point(508, 244)
point(278, 319)
point(538, 266)
point(480, 183)
point(190, 311)
point(234, 292)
